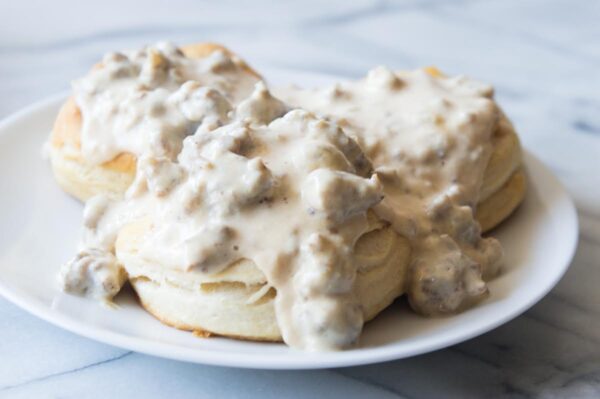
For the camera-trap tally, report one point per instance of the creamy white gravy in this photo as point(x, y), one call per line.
point(286, 195)
point(147, 101)
point(288, 190)
point(291, 193)
point(429, 139)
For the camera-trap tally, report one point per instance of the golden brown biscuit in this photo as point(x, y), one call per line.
point(237, 302)
point(504, 183)
point(499, 206)
point(82, 179)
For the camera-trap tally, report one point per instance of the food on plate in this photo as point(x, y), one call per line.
point(389, 113)
point(438, 144)
point(294, 216)
point(269, 234)
point(138, 101)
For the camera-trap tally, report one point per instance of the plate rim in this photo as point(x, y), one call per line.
point(307, 360)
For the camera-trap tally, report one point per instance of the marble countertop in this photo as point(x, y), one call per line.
point(543, 58)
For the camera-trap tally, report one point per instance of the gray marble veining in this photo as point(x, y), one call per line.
point(542, 56)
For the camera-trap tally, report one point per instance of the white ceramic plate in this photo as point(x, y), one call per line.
point(40, 228)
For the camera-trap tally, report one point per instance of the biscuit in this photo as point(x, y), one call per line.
point(237, 302)
point(83, 179)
